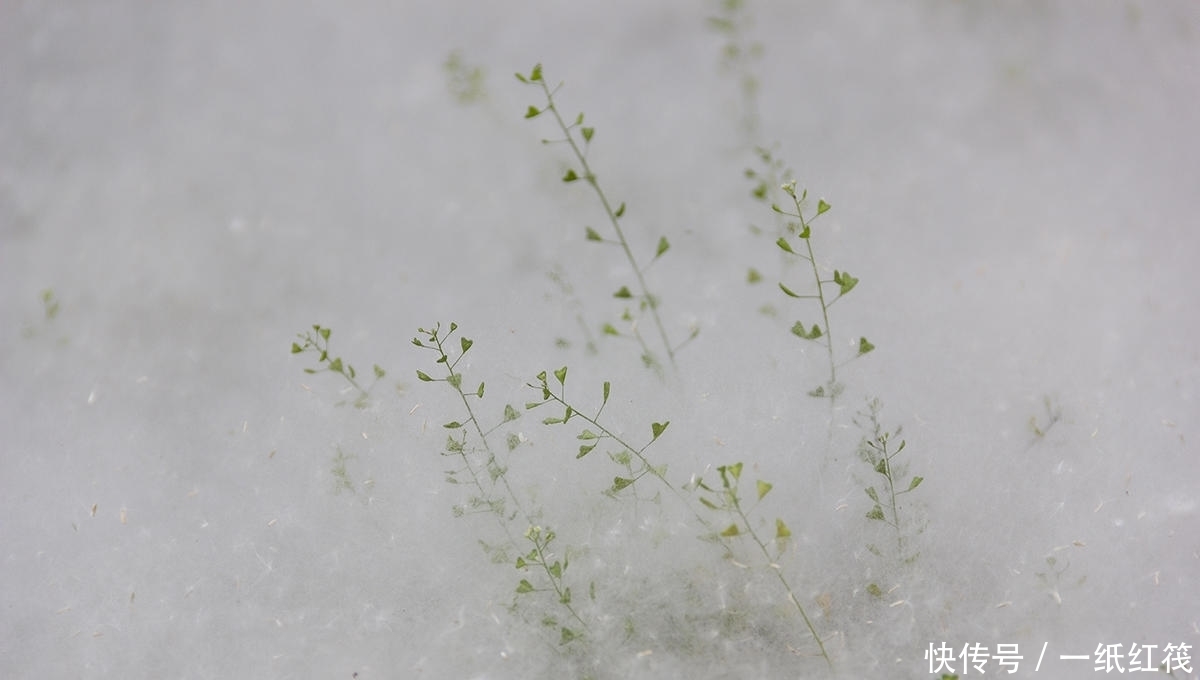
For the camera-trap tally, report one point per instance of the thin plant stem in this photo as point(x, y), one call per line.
point(650, 300)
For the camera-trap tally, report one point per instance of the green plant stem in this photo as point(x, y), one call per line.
point(441, 349)
point(555, 582)
point(590, 177)
point(762, 546)
point(812, 261)
point(502, 475)
point(647, 466)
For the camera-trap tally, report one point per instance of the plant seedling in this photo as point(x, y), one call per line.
point(341, 477)
point(317, 342)
point(466, 82)
point(497, 494)
point(1053, 413)
point(727, 499)
point(844, 282)
point(878, 450)
point(739, 54)
point(578, 137)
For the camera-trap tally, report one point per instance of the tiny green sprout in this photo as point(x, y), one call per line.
point(578, 138)
point(319, 344)
point(485, 474)
point(50, 304)
point(342, 481)
point(1053, 413)
point(741, 531)
point(879, 450)
point(465, 82)
point(801, 228)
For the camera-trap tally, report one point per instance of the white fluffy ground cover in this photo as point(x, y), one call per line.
point(185, 186)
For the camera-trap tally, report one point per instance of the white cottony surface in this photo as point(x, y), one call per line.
point(197, 182)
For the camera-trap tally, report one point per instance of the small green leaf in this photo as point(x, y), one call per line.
point(763, 488)
point(882, 467)
point(864, 346)
point(784, 245)
point(568, 635)
point(916, 481)
point(872, 493)
point(788, 291)
point(521, 564)
point(876, 513)
point(874, 590)
point(584, 450)
point(620, 210)
point(587, 133)
point(336, 365)
point(466, 344)
point(799, 330)
point(570, 176)
point(708, 504)
point(620, 483)
point(561, 375)
point(510, 413)
point(731, 530)
point(379, 372)
point(607, 385)
point(588, 434)
point(845, 282)
point(752, 276)
point(593, 235)
point(452, 425)
point(781, 529)
point(532, 111)
point(663, 246)
point(556, 570)
point(806, 233)
point(566, 599)
point(658, 428)
point(479, 392)
point(623, 293)
point(822, 207)
point(536, 74)
point(296, 349)
point(609, 329)
point(524, 587)
point(455, 380)
point(323, 332)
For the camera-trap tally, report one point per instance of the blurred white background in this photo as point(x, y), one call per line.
point(195, 183)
